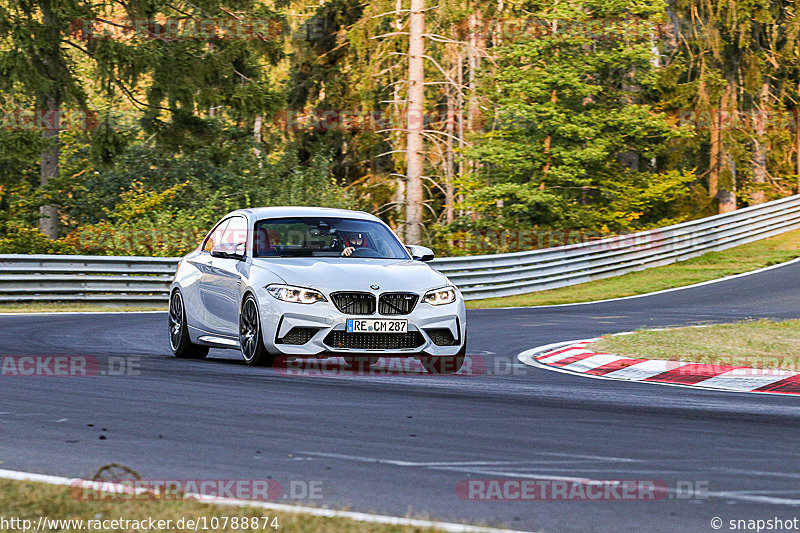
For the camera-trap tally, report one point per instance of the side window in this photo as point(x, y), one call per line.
point(215, 237)
point(236, 232)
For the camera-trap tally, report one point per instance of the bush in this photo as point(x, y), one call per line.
point(32, 241)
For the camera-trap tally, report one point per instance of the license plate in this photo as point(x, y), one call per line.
point(376, 325)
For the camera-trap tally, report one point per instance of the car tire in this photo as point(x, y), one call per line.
point(251, 341)
point(179, 341)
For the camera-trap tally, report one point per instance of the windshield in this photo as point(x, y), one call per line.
point(325, 237)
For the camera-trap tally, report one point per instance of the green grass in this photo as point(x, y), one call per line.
point(710, 266)
point(45, 307)
point(28, 500)
point(755, 344)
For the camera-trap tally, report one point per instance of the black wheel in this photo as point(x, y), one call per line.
point(447, 364)
point(179, 341)
point(360, 363)
point(250, 340)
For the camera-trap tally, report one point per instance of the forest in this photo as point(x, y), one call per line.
point(130, 126)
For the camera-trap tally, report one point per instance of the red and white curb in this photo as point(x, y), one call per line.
point(573, 357)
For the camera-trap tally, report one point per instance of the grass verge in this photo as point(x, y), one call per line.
point(710, 266)
point(30, 501)
point(755, 344)
point(58, 307)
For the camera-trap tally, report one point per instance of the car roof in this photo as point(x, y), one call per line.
point(257, 213)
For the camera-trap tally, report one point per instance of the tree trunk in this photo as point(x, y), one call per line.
point(797, 160)
point(797, 149)
point(399, 195)
point(713, 163)
point(257, 139)
point(48, 222)
point(416, 107)
point(548, 140)
point(759, 195)
point(49, 102)
point(449, 167)
point(553, 100)
point(476, 42)
point(727, 175)
point(727, 189)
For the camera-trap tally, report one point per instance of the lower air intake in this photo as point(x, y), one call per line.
point(441, 337)
point(374, 341)
point(298, 336)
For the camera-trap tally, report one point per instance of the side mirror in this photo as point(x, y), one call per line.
point(420, 253)
point(228, 250)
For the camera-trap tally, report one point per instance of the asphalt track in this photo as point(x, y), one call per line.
point(399, 444)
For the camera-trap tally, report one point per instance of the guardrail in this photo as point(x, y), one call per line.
point(121, 280)
point(489, 276)
point(85, 278)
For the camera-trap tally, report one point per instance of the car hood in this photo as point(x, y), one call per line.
point(354, 274)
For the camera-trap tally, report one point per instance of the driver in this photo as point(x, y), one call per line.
point(352, 241)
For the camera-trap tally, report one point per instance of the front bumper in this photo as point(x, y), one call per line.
point(279, 318)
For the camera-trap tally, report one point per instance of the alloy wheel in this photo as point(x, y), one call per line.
point(175, 320)
point(248, 329)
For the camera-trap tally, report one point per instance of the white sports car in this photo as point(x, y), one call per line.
point(314, 282)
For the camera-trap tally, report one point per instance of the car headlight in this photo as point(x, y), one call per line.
point(300, 295)
point(445, 295)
